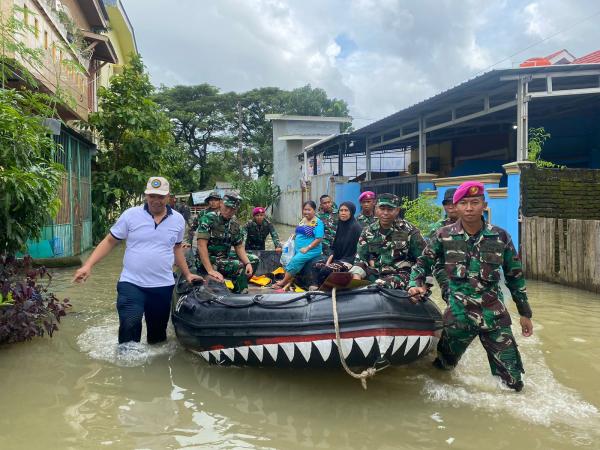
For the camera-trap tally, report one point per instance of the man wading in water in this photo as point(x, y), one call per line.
point(153, 234)
point(472, 252)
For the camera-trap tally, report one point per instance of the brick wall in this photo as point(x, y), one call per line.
point(561, 193)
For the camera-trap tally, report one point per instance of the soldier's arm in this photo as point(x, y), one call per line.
point(361, 261)
point(274, 236)
point(422, 268)
point(202, 237)
point(416, 245)
point(515, 279)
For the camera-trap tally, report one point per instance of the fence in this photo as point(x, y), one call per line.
point(565, 251)
point(404, 186)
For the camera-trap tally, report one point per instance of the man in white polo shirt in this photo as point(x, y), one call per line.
point(153, 234)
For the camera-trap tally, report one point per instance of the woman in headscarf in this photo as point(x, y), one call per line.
point(307, 242)
point(343, 250)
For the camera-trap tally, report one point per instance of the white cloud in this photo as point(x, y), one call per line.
point(405, 50)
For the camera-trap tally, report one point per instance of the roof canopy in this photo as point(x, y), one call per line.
point(488, 100)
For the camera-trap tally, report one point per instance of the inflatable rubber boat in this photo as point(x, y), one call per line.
point(377, 326)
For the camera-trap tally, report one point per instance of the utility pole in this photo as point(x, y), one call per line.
point(240, 135)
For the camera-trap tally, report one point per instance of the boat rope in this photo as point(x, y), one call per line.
point(368, 372)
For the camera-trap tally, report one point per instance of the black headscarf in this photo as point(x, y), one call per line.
point(346, 236)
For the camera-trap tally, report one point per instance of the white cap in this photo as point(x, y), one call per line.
point(157, 185)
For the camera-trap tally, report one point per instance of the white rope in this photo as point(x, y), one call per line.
point(367, 373)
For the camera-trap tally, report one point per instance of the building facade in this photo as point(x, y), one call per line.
point(72, 40)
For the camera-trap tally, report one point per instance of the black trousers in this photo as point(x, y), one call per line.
point(134, 302)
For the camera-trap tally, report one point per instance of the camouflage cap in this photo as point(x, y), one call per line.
point(232, 201)
point(390, 200)
point(213, 194)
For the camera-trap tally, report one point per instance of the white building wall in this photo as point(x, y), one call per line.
point(287, 169)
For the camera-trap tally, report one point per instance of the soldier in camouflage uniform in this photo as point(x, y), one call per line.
point(217, 233)
point(451, 216)
point(214, 204)
point(388, 248)
point(329, 217)
point(257, 230)
point(367, 204)
point(473, 252)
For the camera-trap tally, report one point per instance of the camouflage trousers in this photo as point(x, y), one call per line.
point(392, 281)
point(232, 269)
point(502, 353)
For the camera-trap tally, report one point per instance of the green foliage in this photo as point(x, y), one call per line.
point(27, 309)
point(260, 192)
point(29, 179)
point(421, 212)
point(537, 139)
point(135, 135)
point(208, 122)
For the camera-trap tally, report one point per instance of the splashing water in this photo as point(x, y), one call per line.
point(100, 342)
point(543, 401)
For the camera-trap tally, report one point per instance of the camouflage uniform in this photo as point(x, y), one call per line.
point(221, 235)
point(365, 221)
point(438, 271)
point(472, 264)
point(256, 235)
point(196, 221)
point(393, 251)
point(330, 220)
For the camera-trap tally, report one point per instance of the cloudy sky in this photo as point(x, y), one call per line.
point(378, 55)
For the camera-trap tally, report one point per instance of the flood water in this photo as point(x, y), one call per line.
point(75, 391)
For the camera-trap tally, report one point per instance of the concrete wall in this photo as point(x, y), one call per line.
point(561, 193)
point(287, 169)
point(289, 209)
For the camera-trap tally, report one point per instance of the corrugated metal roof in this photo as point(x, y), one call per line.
point(477, 85)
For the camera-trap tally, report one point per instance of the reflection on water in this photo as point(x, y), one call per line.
point(81, 390)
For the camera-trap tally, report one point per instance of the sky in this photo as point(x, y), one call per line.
point(380, 56)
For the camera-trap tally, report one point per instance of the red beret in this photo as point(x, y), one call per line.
point(258, 210)
point(468, 189)
point(367, 195)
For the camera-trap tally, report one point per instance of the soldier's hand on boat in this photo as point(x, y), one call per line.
point(526, 326)
point(416, 293)
point(249, 270)
point(82, 274)
point(193, 278)
point(278, 250)
point(216, 276)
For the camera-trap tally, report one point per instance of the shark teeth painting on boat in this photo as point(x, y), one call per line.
point(365, 344)
point(385, 345)
point(324, 347)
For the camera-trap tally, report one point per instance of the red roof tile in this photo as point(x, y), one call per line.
point(591, 58)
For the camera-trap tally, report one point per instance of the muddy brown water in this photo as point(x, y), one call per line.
point(76, 391)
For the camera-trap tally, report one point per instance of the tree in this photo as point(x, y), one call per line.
point(421, 212)
point(134, 136)
point(258, 136)
point(202, 119)
point(260, 192)
point(206, 121)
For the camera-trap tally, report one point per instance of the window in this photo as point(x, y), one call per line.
point(36, 28)
point(46, 40)
point(53, 52)
point(26, 15)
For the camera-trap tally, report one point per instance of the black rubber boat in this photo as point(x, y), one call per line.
point(378, 326)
